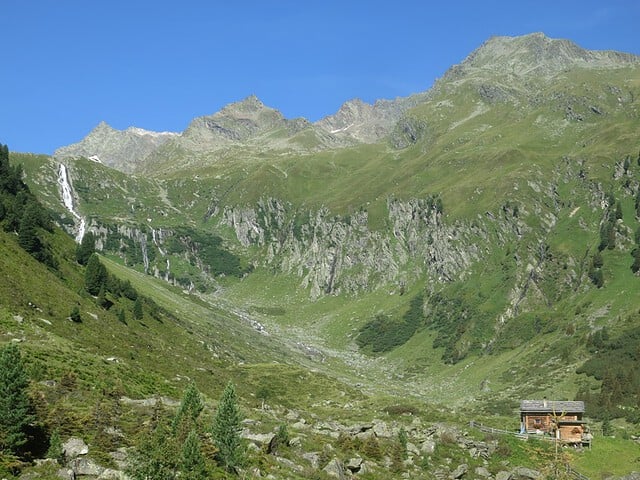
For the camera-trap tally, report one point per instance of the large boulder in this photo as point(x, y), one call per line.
point(354, 465)
point(335, 468)
point(460, 471)
point(86, 466)
point(482, 472)
point(428, 447)
point(381, 429)
point(522, 473)
point(502, 475)
point(110, 474)
point(74, 447)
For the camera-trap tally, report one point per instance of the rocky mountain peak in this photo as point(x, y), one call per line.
point(249, 105)
point(365, 122)
point(536, 54)
point(121, 149)
point(236, 122)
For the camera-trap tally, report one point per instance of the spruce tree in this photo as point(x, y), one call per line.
point(138, 313)
point(95, 275)
point(226, 430)
point(618, 211)
point(192, 463)
point(597, 261)
point(55, 450)
point(187, 415)
point(27, 231)
point(635, 266)
point(15, 406)
point(74, 315)
point(86, 248)
point(155, 456)
point(101, 301)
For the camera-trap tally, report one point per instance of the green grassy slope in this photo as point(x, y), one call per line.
point(540, 161)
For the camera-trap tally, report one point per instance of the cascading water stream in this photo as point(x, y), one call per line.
point(67, 199)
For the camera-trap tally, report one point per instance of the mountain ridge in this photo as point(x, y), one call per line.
point(250, 122)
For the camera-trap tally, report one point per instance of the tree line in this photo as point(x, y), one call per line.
point(21, 213)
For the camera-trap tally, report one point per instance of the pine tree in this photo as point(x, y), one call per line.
point(192, 463)
point(138, 313)
point(55, 450)
point(635, 266)
point(618, 211)
point(75, 314)
point(102, 299)
point(187, 415)
point(86, 248)
point(596, 276)
point(155, 457)
point(226, 430)
point(15, 406)
point(597, 261)
point(27, 231)
point(95, 275)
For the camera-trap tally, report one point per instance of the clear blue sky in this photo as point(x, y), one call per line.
point(69, 64)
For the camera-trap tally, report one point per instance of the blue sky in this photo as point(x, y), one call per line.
point(69, 64)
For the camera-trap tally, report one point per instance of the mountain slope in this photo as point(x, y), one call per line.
point(488, 198)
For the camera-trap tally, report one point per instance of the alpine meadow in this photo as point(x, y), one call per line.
point(394, 291)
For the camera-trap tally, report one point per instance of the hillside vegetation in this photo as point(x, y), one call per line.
point(461, 249)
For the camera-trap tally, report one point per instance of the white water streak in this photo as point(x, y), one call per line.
point(67, 199)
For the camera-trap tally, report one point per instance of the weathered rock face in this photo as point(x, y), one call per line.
point(368, 123)
point(334, 254)
point(120, 149)
point(236, 122)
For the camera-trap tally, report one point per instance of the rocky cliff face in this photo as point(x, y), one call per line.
point(334, 254)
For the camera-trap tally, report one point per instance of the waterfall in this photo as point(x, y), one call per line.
point(145, 255)
point(155, 242)
point(67, 199)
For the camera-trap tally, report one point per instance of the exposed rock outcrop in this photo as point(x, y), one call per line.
point(334, 254)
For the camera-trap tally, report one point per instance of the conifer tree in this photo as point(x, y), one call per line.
point(226, 430)
point(635, 266)
point(15, 406)
point(55, 450)
point(27, 231)
point(74, 315)
point(155, 457)
point(192, 463)
point(188, 412)
point(618, 211)
point(86, 248)
point(138, 313)
point(95, 275)
point(102, 299)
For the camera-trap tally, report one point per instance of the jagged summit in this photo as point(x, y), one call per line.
point(120, 149)
point(248, 105)
point(237, 121)
point(368, 123)
point(499, 65)
point(536, 54)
